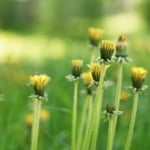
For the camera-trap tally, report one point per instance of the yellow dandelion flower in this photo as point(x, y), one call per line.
point(138, 75)
point(39, 81)
point(29, 119)
point(107, 49)
point(96, 71)
point(124, 96)
point(108, 45)
point(44, 116)
point(87, 78)
point(77, 67)
point(95, 35)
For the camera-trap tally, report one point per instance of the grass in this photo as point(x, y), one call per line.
point(23, 55)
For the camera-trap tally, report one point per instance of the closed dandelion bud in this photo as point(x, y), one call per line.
point(107, 49)
point(110, 111)
point(110, 108)
point(39, 81)
point(96, 71)
point(77, 67)
point(95, 36)
point(138, 76)
point(121, 47)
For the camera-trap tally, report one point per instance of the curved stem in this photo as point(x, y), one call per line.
point(132, 122)
point(110, 134)
point(74, 115)
point(117, 97)
point(35, 127)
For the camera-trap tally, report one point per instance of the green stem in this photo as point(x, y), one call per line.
point(74, 115)
point(90, 109)
point(83, 120)
point(94, 53)
point(117, 97)
point(110, 134)
point(94, 122)
point(86, 139)
point(98, 107)
point(35, 127)
point(132, 122)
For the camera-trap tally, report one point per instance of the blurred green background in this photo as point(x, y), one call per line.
point(44, 36)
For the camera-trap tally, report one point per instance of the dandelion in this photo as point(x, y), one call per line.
point(38, 81)
point(121, 54)
point(77, 67)
point(138, 75)
point(109, 113)
point(95, 35)
point(87, 78)
point(96, 71)
point(87, 107)
point(121, 57)
point(107, 50)
point(121, 47)
point(76, 70)
point(110, 109)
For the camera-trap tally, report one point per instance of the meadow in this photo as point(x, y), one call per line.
point(22, 55)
